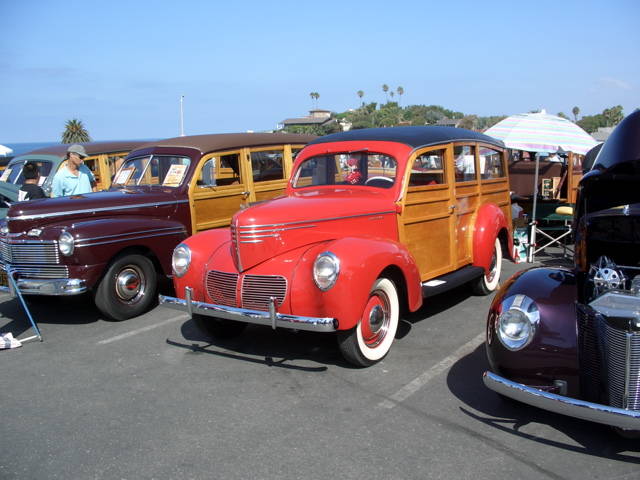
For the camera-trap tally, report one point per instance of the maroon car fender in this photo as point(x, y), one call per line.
point(490, 223)
point(362, 261)
point(155, 235)
point(552, 354)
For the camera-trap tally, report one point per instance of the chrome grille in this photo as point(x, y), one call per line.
point(41, 271)
point(257, 290)
point(30, 252)
point(221, 287)
point(610, 358)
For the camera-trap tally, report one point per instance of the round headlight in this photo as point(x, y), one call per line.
point(518, 322)
point(181, 260)
point(325, 270)
point(65, 243)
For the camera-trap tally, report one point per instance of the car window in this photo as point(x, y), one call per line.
point(465, 162)
point(220, 170)
point(348, 168)
point(428, 169)
point(490, 163)
point(13, 173)
point(267, 165)
point(165, 170)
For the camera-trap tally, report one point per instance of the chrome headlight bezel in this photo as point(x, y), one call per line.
point(181, 260)
point(326, 268)
point(66, 243)
point(518, 322)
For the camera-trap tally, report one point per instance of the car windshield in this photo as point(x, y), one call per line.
point(165, 170)
point(347, 168)
point(13, 172)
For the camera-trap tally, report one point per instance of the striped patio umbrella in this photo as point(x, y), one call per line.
point(541, 132)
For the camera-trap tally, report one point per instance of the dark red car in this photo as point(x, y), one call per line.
point(568, 339)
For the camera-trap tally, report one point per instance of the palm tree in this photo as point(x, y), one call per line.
point(400, 91)
point(74, 132)
point(576, 112)
point(315, 96)
point(360, 94)
point(385, 89)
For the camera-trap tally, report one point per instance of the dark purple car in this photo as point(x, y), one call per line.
point(568, 340)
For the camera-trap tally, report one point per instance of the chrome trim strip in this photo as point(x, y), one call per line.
point(273, 319)
point(54, 287)
point(93, 210)
point(176, 232)
point(627, 370)
point(593, 412)
point(131, 233)
point(317, 220)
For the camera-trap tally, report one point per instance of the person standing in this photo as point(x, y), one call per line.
point(30, 190)
point(74, 178)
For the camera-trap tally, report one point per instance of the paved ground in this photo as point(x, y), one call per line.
point(150, 398)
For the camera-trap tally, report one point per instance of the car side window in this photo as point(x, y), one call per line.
point(220, 170)
point(428, 169)
point(491, 165)
point(267, 165)
point(465, 162)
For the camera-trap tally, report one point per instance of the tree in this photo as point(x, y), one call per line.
point(576, 112)
point(315, 96)
point(385, 89)
point(562, 115)
point(74, 132)
point(400, 91)
point(360, 94)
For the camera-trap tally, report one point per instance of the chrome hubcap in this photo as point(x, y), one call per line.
point(129, 284)
point(376, 319)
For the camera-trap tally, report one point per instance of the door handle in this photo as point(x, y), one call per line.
point(451, 208)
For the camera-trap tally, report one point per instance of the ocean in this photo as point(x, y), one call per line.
point(20, 148)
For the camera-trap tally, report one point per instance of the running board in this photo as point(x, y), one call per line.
point(451, 280)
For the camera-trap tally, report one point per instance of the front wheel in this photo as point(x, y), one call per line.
point(371, 339)
point(218, 327)
point(488, 282)
point(128, 289)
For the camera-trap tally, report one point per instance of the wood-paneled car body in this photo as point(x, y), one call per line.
point(117, 243)
point(568, 339)
point(373, 221)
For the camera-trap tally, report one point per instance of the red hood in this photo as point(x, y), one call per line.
point(310, 216)
point(24, 215)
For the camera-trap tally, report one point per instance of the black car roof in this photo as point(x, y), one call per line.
point(623, 145)
point(418, 136)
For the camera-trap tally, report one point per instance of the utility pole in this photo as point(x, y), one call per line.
point(181, 116)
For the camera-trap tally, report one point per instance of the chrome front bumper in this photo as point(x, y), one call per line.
point(258, 317)
point(594, 412)
point(56, 287)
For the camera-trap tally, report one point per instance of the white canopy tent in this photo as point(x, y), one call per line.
point(5, 151)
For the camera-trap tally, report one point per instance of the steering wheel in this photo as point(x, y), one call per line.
point(384, 182)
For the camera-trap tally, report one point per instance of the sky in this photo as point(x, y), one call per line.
point(121, 67)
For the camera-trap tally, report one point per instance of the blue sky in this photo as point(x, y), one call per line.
point(121, 66)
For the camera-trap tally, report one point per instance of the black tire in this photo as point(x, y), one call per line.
point(370, 341)
point(128, 289)
point(218, 327)
point(489, 283)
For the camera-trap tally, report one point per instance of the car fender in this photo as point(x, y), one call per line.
point(490, 223)
point(362, 261)
point(203, 246)
point(552, 354)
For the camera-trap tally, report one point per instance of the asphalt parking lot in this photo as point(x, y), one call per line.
point(151, 398)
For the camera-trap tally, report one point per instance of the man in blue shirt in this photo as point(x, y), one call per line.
point(75, 178)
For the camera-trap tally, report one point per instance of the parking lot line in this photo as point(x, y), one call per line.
point(417, 383)
point(141, 330)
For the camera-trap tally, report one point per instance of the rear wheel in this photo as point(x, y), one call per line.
point(218, 327)
point(371, 339)
point(488, 282)
point(128, 289)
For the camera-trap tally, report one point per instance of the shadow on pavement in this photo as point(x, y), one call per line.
point(465, 382)
point(262, 345)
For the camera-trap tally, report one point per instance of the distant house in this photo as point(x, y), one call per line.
point(448, 122)
point(602, 133)
point(315, 117)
